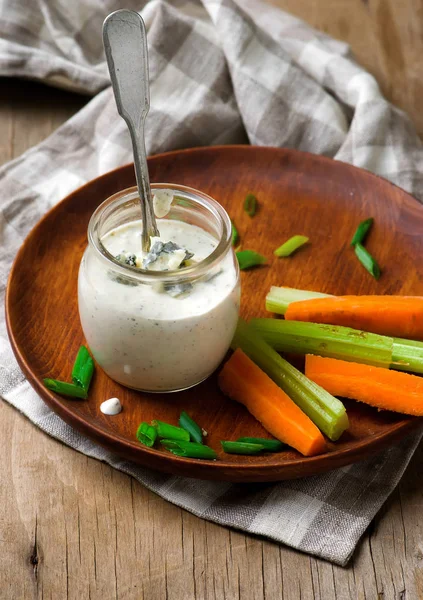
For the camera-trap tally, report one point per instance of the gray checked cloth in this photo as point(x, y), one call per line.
point(222, 71)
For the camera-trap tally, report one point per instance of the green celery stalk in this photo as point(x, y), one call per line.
point(407, 355)
point(343, 343)
point(326, 411)
point(279, 298)
point(332, 341)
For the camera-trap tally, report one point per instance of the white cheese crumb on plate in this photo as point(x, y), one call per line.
point(111, 407)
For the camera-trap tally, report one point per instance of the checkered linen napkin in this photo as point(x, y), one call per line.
point(222, 71)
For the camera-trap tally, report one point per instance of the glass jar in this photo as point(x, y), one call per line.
point(143, 334)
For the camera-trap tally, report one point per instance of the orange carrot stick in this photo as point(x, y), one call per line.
point(396, 316)
point(243, 381)
point(391, 390)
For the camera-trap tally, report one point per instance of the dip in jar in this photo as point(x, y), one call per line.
point(160, 322)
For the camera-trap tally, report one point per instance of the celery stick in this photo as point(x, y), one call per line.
point(279, 298)
point(343, 343)
point(327, 412)
point(332, 341)
point(407, 355)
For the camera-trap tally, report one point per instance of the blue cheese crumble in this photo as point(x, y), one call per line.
point(128, 258)
point(166, 257)
point(163, 256)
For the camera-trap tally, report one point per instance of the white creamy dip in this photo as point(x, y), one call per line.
point(150, 337)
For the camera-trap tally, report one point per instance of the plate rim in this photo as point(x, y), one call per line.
point(271, 470)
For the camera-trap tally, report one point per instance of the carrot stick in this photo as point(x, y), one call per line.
point(243, 381)
point(379, 387)
point(396, 316)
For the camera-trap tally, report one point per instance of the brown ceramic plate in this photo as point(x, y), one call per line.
point(298, 194)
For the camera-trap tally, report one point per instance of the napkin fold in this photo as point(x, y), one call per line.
point(221, 71)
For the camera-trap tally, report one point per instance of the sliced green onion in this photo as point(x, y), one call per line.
point(279, 298)
point(250, 204)
point(85, 374)
point(80, 360)
point(327, 412)
point(170, 432)
point(235, 234)
point(367, 260)
point(362, 231)
point(242, 448)
point(268, 445)
point(291, 246)
point(65, 389)
point(146, 434)
point(189, 449)
point(194, 430)
point(332, 341)
point(83, 368)
point(250, 258)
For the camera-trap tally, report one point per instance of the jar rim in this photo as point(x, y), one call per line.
point(192, 272)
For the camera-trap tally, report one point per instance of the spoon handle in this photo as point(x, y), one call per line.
point(125, 44)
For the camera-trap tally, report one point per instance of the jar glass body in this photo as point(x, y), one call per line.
point(143, 336)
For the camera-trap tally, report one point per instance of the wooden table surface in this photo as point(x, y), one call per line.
point(73, 528)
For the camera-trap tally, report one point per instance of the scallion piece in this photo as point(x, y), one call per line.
point(146, 434)
point(194, 430)
point(327, 412)
point(80, 360)
point(268, 445)
point(85, 374)
point(362, 231)
point(367, 260)
point(170, 432)
point(279, 298)
point(241, 448)
point(250, 205)
point(65, 389)
point(235, 234)
point(83, 368)
point(290, 246)
point(189, 449)
point(332, 341)
point(250, 258)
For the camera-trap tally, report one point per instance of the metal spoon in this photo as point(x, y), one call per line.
point(125, 43)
